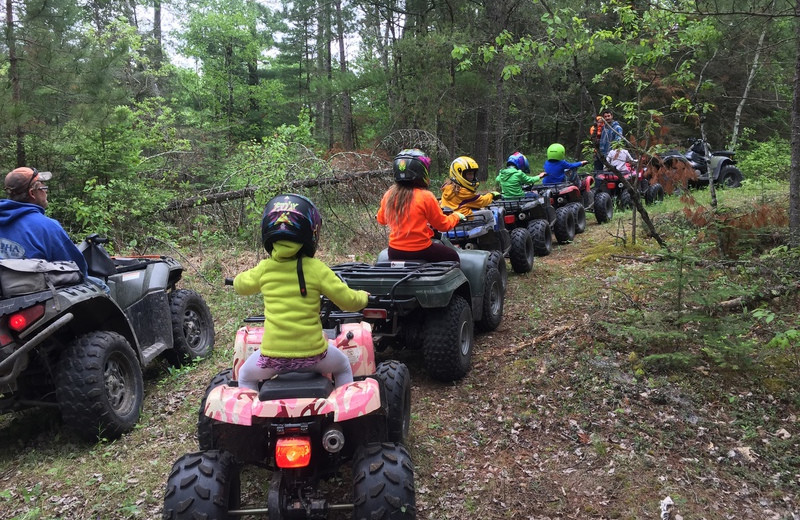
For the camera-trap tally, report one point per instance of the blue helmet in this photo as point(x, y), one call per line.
point(518, 161)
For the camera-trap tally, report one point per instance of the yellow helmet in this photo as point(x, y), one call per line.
point(464, 165)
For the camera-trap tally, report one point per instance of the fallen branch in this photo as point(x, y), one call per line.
point(742, 302)
point(215, 198)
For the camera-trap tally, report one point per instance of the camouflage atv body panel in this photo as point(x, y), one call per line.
point(235, 405)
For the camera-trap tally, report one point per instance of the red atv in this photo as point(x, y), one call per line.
point(304, 431)
point(577, 197)
point(610, 183)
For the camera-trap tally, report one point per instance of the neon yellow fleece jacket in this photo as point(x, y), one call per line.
point(292, 328)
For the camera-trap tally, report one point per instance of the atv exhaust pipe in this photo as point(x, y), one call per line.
point(333, 439)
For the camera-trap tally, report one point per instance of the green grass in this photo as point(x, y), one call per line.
point(508, 432)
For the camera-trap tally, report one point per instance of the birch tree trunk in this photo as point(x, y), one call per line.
point(750, 76)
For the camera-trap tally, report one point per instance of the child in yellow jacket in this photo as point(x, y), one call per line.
point(459, 192)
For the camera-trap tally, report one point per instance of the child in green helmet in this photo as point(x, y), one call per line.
point(556, 167)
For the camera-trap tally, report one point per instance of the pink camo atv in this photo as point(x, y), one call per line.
point(304, 431)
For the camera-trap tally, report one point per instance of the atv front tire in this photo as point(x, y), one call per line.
point(192, 327)
point(205, 424)
point(99, 386)
point(448, 340)
point(603, 207)
point(521, 254)
point(564, 228)
point(579, 212)
point(655, 194)
point(497, 261)
point(625, 202)
point(383, 483)
point(542, 236)
point(202, 485)
point(397, 385)
point(493, 299)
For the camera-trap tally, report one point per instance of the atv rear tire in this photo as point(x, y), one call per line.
point(396, 382)
point(493, 299)
point(521, 254)
point(448, 340)
point(99, 386)
point(202, 485)
point(603, 207)
point(730, 176)
point(383, 483)
point(564, 228)
point(542, 236)
point(579, 212)
point(205, 424)
point(192, 327)
point(497, 261)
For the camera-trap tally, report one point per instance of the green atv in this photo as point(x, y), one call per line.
point(431, 306)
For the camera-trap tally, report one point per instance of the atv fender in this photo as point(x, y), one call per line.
point(435, 293)
point(93, 310)
point(473, 264)
point(718, 162)
point(234, 405)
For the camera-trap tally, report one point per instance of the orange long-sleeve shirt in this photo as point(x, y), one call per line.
point(413, 233)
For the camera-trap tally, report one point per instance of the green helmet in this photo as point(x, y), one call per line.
point(555, 152)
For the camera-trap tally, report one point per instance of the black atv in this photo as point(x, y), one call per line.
point(485, 229)
point(536, 215)
point(83, 350)
point(705, 164)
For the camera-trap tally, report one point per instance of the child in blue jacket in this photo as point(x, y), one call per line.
point(555, 165)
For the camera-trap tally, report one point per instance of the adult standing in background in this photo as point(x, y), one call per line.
point(612, 131)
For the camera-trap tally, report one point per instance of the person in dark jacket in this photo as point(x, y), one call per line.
point(25, 231)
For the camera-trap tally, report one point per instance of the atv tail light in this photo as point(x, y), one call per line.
point(509, 219)
point(293, 452)
point(379, 314)
point(612, 185)
point(20, 321)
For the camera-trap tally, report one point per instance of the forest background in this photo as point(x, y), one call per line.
point(279, 90)
point(676, 371)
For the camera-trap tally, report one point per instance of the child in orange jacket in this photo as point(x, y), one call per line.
point(408, 208)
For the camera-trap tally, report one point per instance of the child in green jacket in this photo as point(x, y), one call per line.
point(515, 175)
point(291, 282)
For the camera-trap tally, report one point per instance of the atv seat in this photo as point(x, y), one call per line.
point(295, 385)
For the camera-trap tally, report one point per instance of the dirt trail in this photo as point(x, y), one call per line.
point(549, 424)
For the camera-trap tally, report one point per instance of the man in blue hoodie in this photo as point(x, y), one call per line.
point(25, 231)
